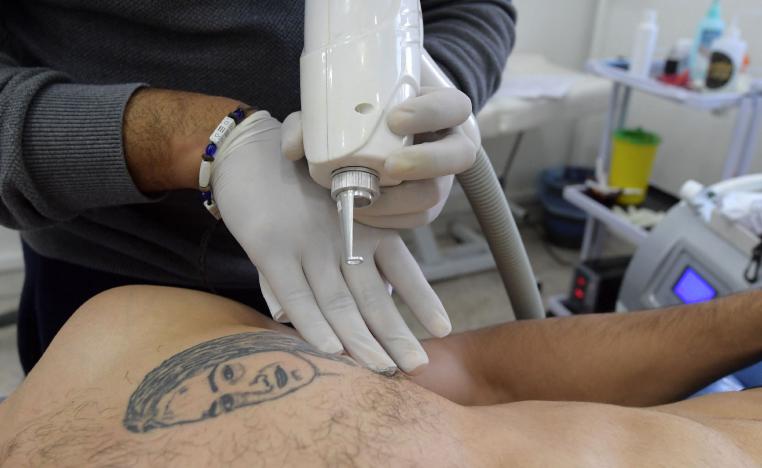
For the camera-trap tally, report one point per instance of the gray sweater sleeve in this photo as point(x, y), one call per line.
point(471, 41)
point(61, 149)
point(60, 146)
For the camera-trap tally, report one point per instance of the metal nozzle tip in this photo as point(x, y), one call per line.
point(346, 205)
point(352, 187)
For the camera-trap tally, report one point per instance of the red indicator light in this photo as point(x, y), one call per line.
point(579, 294)
point(581, 281)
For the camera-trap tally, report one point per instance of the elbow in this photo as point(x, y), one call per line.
point(18, 213)
point(471, 42)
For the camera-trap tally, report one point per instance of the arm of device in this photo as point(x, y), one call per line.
point(637, 359)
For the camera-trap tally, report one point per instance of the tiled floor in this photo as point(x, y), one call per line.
point(473, 301)
point(480, 300)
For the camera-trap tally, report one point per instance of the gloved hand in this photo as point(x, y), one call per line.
point(427, 167)
point(288, 226)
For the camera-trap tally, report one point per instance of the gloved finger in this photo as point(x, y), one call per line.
point(409, 197)
point(453, 154)
point(383, 318)
point(434, 109)
point(340, 310)
point(295, 295)
point(389, 287)
point(292, 138)
point(398, 265)
point(281, 317)
point(407, 221)
point(277, 312)
point(258, 127)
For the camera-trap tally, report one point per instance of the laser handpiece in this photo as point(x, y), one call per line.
point(361, 59)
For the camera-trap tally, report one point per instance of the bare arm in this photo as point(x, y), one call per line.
point(639, 359)
point(66, 148)
point(165, 133)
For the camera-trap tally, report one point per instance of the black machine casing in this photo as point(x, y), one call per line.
point(595, 285)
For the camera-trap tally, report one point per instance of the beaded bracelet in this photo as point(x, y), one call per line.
point(216, 139)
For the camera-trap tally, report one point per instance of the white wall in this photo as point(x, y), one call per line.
point(11, 269)
point(695, 143)
point(562, 32)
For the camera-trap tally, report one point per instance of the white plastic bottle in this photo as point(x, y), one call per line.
point(726, 61)
point(644, 46)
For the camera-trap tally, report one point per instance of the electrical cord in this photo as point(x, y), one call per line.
point(511, 159)
point(548, 247)
point(8, 318)
point(205, 240)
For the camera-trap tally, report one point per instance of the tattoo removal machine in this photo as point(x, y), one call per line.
point(361, 59)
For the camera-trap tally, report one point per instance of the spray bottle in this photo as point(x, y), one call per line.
point(710, 29)
point(644, 46)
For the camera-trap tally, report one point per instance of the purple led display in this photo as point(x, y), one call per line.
point(691, 288)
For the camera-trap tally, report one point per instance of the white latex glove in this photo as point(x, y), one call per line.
point(288, 226)
point(427, 167)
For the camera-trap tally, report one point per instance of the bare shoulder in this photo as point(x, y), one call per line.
point(108, 346)
point(198, 404)
point(250, 398)
point(122, 332)
point(157, 377)
point(185, 309)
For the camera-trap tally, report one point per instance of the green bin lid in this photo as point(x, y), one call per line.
point(638, 137)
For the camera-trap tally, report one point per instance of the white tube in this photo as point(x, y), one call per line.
point(488, 201)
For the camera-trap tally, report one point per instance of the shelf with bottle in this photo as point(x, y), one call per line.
point(616, 70)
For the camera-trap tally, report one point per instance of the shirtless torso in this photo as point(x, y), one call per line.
point(162, 377)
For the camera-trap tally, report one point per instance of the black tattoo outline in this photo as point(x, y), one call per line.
point(167, 381)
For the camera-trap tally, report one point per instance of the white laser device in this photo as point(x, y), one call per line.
point(361, 58)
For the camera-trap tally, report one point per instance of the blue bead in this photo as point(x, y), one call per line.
point(238, 115)
point(206, 196)
point(211, 150)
